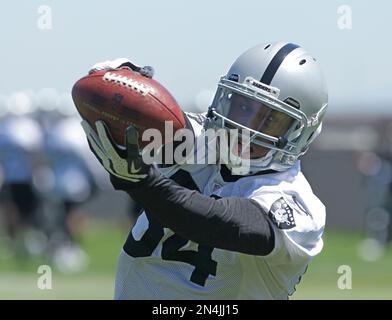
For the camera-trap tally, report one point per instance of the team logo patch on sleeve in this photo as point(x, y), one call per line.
point(281, 214)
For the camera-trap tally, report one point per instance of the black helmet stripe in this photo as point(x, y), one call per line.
point(276, 62)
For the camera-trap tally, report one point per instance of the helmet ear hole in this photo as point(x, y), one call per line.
point(310, 137)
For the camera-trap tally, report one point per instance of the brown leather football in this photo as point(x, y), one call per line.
point(122, 97)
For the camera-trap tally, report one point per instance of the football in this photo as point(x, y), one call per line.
point(121, 97)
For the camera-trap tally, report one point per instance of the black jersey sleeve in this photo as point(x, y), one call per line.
point(230, 223)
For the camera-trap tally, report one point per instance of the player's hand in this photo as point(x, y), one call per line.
point(109, 65)
point(124, 163)
point(146, 71)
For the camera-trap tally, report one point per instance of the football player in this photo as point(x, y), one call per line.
point(73, 182)
point(19, 199)
point(208, 232)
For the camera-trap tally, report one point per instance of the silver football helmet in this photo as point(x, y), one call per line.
point(275, 91)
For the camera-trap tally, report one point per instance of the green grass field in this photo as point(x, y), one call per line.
point(370, 280)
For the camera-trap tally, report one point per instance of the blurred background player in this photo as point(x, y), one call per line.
point(65, 181)
point(21, 141)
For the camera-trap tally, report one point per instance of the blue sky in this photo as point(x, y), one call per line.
point(191, 43)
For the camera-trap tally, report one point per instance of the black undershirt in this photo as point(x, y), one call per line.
point(231, 223)
point(229, 177)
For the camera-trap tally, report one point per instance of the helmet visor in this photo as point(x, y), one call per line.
point(255, 115)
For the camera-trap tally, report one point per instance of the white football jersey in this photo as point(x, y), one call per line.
point(166, 266)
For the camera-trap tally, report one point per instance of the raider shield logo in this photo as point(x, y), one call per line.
point(281, 214)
